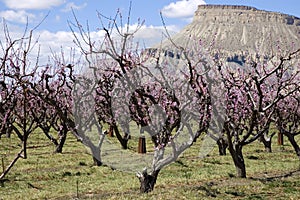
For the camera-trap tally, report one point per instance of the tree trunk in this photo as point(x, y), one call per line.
point(46, 130)
point(240, 165)
point(19, 155)
point(97, 162)
point(61, 143)
point(147, 180)
point(96, 155)
point(238, 159)
point(293, 142)
point(25, 145)
point(222, 145)
point(123, 140)
point(235, 149)
point(62, 140)
point(267, 143)
point(3, 131)
point(8, 131)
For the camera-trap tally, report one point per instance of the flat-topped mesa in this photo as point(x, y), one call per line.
point(214, 6)
point(245, 14)
point(235, 31)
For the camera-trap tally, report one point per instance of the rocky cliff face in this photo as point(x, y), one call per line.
point(237, 30)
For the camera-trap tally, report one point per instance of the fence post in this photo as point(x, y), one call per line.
point(142, 145)
point(280, 138)
point(111, 131)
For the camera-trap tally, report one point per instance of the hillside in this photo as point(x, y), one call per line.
point(240, 30)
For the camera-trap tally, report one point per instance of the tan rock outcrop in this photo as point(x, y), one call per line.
point(236, 30)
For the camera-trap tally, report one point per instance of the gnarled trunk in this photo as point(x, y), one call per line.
point(96, 151)
point(293, 142)
point(267, 141)
point(238, 159)
point(46, 131)
point(147, 180)
point(123, 140)
point(62, 139)
point(222, 145)
point(235, 148)
point(19, 155)
point(97, 162)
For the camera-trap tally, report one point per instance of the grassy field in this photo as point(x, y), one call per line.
point(70, 175)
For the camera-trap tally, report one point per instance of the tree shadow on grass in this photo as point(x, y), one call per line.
point(276, 177)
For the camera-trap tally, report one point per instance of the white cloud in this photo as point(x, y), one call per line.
point(73, 6)
point(53, 42)
point(154, 31)
point(149, 36)
point(14, 31)
point(182, 8)
point(32, 4)
point(20, 16)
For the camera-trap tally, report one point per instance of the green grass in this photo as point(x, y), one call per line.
point(69, 175)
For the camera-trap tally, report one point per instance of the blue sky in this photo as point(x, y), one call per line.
point(16, 11)
point(55, 32)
